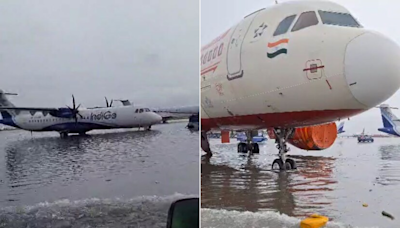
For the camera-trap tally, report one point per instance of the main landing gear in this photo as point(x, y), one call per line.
point(283, 163)
point(63, 134)
point(249, 146)
point(205, 145)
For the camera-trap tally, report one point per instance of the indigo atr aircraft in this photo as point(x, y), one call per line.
point(68, 120)
point(295, 68)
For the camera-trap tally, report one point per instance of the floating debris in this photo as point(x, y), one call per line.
point(365, 205)
point(384, 213)
point(314, 221)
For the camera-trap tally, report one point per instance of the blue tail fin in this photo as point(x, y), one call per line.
point(388, 118)
point(341, 128)
point(6, 115)
point(4, 102)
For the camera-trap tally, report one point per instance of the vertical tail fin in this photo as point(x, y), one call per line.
point(4, 102)
point(388, 118)
point(341, 128)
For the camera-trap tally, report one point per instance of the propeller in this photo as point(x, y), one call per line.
point(108, 105)
point(74, 110)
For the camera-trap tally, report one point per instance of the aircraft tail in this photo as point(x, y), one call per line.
point(341, 128)
point(4, 102)
point(389, 120)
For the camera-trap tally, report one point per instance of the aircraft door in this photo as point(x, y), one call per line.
point(233, 58)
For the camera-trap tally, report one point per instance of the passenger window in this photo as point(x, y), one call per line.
point(205, 58)
point(284, 25)
point(305, 20)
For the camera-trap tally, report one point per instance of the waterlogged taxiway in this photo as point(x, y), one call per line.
point(113, 178)
point(239, 191)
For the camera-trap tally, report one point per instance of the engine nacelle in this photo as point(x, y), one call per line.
point(318, 137)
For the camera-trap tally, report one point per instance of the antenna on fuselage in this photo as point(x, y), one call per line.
point(276, 1)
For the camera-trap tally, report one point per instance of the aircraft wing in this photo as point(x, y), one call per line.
point(29, 109)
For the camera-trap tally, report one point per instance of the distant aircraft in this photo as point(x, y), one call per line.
point(390, 122)
point(341, 128)
point(67, 120)
point(284, 67)
point(176, 112)
point(170, 113)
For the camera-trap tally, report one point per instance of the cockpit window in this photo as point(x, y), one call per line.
point(137, 110)
point(305, 20)
point(284, 25)
point(340, 19)
point(140, 110)
point(147, 110)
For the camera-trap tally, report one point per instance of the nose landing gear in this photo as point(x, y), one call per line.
point(283, 163)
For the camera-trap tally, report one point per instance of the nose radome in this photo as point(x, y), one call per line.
point(372, 68)
point(157, 118)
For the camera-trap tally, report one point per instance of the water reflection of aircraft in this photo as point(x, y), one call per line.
point(66, 120)
point(283, 68)
point(389, 168)
point(251, 188)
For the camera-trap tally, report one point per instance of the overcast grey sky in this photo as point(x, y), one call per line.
point(218, 16)
point(144, 50)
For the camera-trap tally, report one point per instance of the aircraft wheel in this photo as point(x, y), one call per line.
point(277, 164)
point(290, 164)
point(63, 134)
point(256, 148)
point(242, 148)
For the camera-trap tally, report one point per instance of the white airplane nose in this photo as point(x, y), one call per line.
point(157, 118)
point(372, 68)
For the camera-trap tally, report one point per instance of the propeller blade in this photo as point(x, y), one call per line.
point(73, 101)
point(80, 115)
point(106, 101)
point(111, 103)
point(78, 107)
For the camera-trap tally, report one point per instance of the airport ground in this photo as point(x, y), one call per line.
point(111, 178)
point(240, 191)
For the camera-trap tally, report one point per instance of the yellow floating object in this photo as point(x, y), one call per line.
point(365, 205)
point(314, 221)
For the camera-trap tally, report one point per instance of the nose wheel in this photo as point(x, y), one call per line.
point(283, 163)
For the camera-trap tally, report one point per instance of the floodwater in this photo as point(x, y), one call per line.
point(113, 178)
point(241, 190)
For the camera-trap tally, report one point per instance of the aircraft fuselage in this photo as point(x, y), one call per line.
point(254, 76)
point(90, 119)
